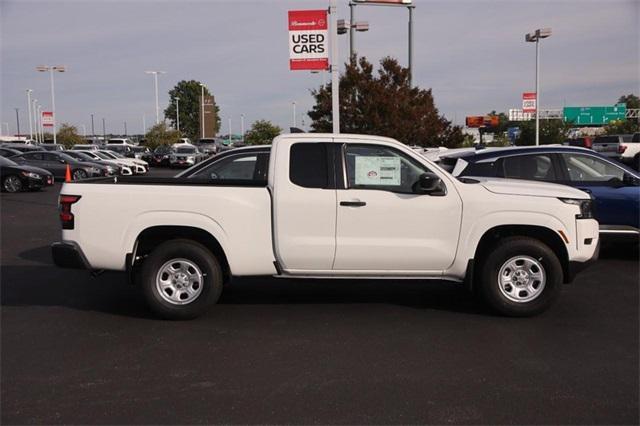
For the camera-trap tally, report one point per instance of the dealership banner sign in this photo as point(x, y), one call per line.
point(308, 40)
point(47, 118)
point(529, 102)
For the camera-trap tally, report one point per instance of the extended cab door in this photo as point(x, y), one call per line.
point(383, 224)
point(302, 182)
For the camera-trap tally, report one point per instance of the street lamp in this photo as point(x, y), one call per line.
point(52, 69)
point(242, 126)
point(93, 130)
point(40, 128)
point(178, 114)
point(396, 3)
point(202, 86)
point(535, 37)
point(293, 121)
point(29, 91)
point(155, 79)
point(17, 120)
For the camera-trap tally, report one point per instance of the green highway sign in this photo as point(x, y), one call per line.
point(594, 115)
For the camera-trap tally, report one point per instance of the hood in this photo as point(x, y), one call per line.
point(529, 188)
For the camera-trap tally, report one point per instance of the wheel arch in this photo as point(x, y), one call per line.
point(546, 235)
point(155, 235)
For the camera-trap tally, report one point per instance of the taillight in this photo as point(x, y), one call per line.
point(621, 149)
point(587, 143)
point(66, 217)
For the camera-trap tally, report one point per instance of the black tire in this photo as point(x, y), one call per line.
point(12, 184)
point(489, 275)
point(194, 252)
point(79, 174)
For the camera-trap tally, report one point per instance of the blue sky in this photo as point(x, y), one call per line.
point(471, 53)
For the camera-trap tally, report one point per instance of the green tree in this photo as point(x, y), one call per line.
point(68, 136)
point(262, 132)
point(622, 127)
point(384, 104)
point(189, 93)
point(160, 134)
point(551, 132)
point(630, 100)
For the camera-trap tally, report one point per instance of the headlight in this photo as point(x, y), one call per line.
point(586, 207)
point(111, 169)
point(31, 175)
point(191, 158)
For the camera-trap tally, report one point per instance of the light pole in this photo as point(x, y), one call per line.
point(36, 128)
point(144, 123)
point(125, 129)
point(293, 121)
point(178, 114)
point(84, 130)
point(535, 37)
point(202, 86)
point(155, 80)
point(242, 126)
point(40, 128)
point(335, 77)
point(17, 120)
point(52, 69)
point(104, 132)
point(29, 91)
point(229, 131)
point(398, 3)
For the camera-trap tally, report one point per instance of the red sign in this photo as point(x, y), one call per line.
point(308, 40)
point(529, 102)
point(47, 118)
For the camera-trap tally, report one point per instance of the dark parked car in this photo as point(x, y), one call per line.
point(208, 146)
point(52, 147)
point(161, 156)
point(8, 152)
point(22, 147)
point(16, 178)
point(56, 163)
point(614, 187)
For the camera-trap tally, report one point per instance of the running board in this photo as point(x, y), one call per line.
point(367, 277)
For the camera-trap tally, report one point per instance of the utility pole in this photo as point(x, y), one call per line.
point(29, 91)
point(17, 120)
point(335, 78)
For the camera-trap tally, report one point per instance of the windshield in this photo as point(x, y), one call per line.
point(162, 150)
point(114, 154)
point(140, 149)
point(6, 162)
point(80, 156)
point(100, 155)
point(110, 155)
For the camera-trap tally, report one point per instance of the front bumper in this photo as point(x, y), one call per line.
point(69, 255)
point(576, 267)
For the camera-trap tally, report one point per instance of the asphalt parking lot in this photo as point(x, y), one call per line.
point(77, 349)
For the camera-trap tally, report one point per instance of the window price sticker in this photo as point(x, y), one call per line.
point(378, 171)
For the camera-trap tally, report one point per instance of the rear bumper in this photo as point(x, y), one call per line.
point(69, 255)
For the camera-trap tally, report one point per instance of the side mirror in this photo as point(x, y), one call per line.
point(429, 183)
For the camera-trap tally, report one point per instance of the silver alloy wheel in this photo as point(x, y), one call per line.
point(521, 279)
point(179, 281)
point(79, 174)
point(12, 184)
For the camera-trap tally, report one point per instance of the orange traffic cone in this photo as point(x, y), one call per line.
point(67, 175)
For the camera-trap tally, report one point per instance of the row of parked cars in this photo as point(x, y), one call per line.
point(30, 167)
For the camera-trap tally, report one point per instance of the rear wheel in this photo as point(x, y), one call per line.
point(520, 277)
point(181, 279)
point(12, 183)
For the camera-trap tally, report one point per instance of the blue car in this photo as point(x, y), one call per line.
point(614, 187)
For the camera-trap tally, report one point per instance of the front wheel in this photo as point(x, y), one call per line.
point(181, 279)
point(520, 277)
point(12, 184)
point(79, 174)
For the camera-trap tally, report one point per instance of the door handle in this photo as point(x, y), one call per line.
point(353, 203)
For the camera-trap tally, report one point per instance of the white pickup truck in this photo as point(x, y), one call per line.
point(327, 206)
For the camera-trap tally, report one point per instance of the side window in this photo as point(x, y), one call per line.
point(586, 168)
point(50, 157)
point(248, 167)
point(30, 156)
point(530, 167)
point(308, 165)
point(380, 167)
